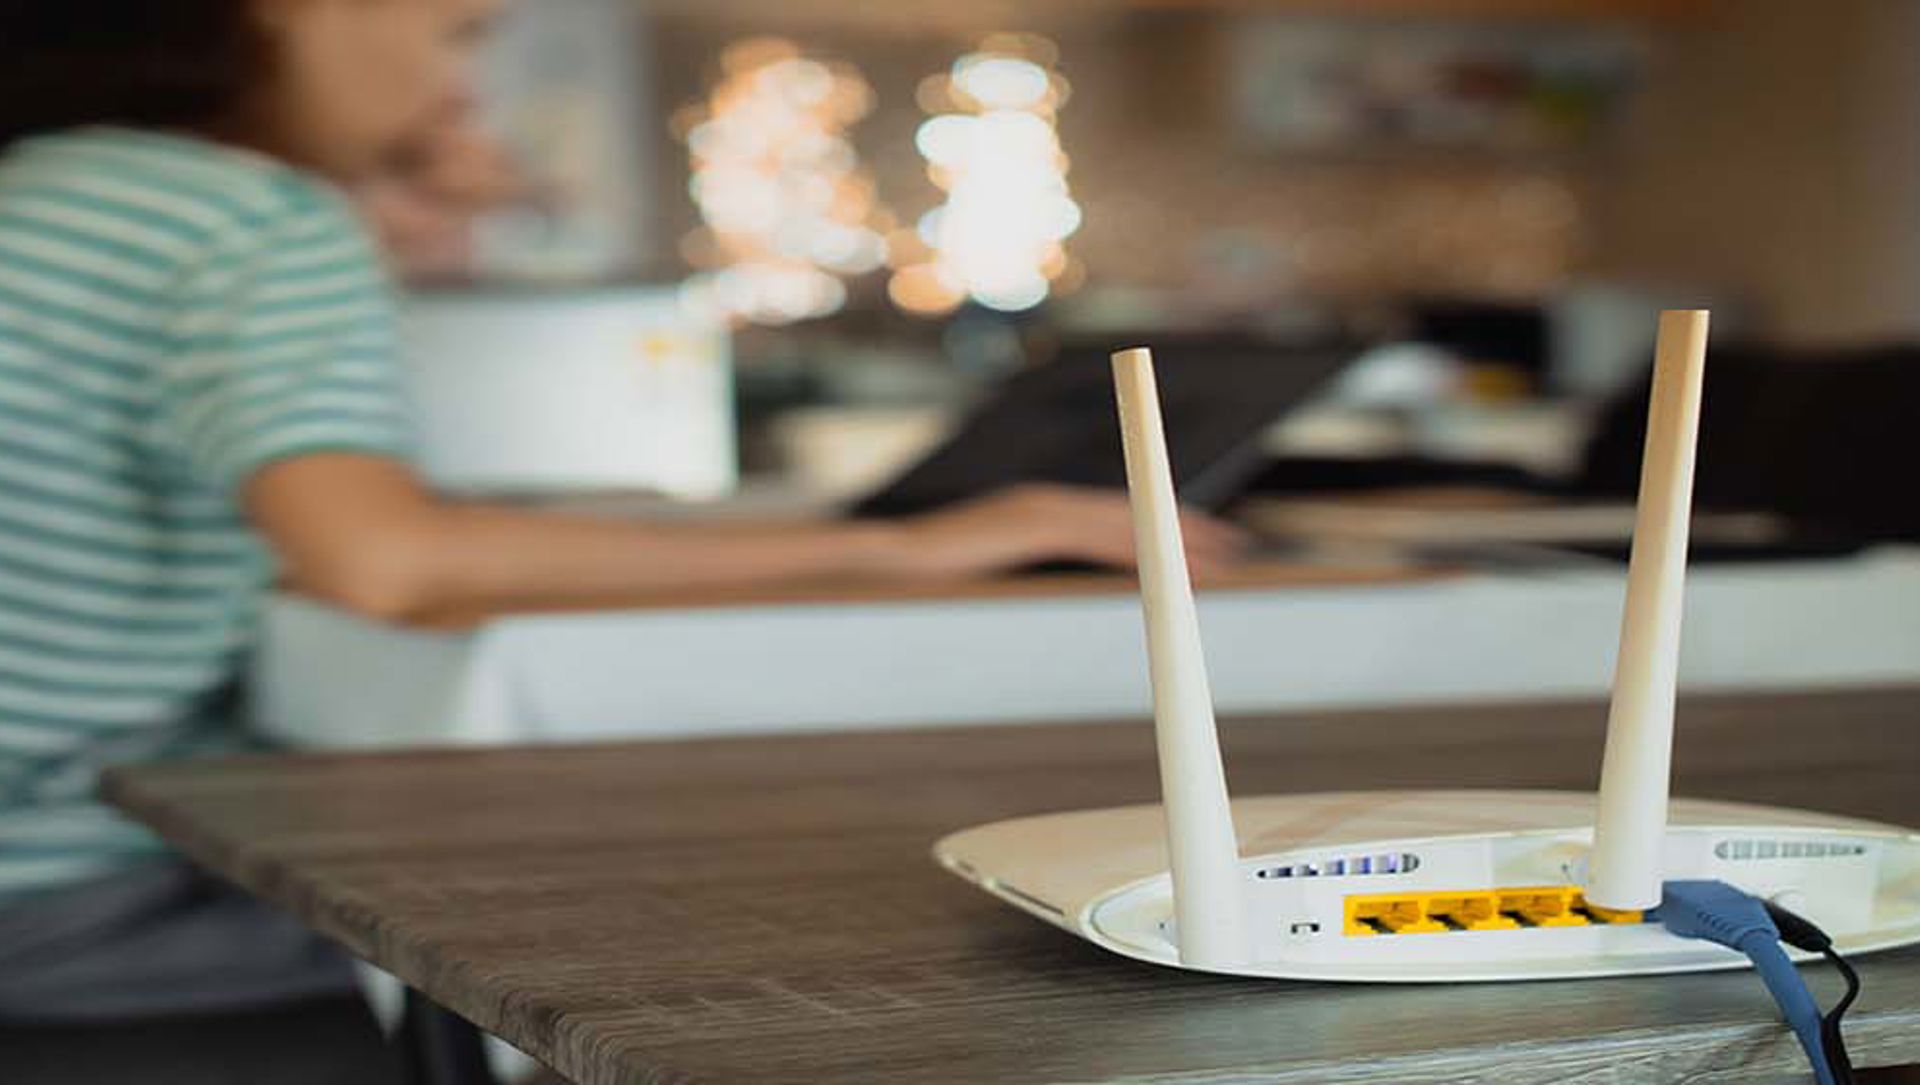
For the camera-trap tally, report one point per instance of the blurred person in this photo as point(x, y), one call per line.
point(422, 208)
point(199, 396)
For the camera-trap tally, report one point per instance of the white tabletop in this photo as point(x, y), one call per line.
point(328, 679)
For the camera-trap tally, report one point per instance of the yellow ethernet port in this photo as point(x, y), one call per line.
point(1475, 910)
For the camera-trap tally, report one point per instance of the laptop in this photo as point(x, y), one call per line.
point(1056, 422)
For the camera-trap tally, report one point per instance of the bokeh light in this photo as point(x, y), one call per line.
point(994, 149)
point(786, 208)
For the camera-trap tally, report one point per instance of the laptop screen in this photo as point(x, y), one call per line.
point(1057, 422)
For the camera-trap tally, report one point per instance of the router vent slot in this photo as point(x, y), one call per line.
point(1743, 850)
point(1029, 898)
point(1348, 866)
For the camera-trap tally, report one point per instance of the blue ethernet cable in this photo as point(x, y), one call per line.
point(1719, 913)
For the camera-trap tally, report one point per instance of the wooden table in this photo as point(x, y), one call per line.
point(765, 909)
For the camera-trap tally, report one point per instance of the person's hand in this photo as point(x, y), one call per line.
point(1031, 524)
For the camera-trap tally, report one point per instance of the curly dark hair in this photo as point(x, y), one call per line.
point(143, 63)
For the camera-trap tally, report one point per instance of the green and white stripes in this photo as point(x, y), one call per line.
point(173, 316)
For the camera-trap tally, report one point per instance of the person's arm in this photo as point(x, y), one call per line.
point(361, 531)
point(283, 396)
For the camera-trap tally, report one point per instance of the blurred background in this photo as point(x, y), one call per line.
point(776, 251)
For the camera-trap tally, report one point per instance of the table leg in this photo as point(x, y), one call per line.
point(440, 1047)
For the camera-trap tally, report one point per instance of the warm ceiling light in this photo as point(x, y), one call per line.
point(785, 206)
point(998, 238)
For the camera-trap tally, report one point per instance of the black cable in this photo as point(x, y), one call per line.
point(1830, 1024)
point(1803, 934)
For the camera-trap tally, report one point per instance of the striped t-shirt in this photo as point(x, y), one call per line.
point(174, 314)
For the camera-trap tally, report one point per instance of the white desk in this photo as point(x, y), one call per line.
point(327, 679)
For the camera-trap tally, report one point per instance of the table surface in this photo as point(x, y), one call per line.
point(765, 909)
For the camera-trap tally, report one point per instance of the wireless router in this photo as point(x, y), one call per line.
point(1399, 886)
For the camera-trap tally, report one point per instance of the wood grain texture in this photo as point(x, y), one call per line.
point(1253, 576)
point(765, 910)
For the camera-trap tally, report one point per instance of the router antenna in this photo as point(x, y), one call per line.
point(1209, 914)
point(1624, 871)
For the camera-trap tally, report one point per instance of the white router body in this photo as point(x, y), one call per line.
point(1433, 886)
point(1102, 874)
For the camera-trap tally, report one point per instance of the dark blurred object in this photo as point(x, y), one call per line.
point(1483, 333)
point(1055, 422)
point(1824, 440)
point(1827, 439)
point(329, 1041)
point(182, 64)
